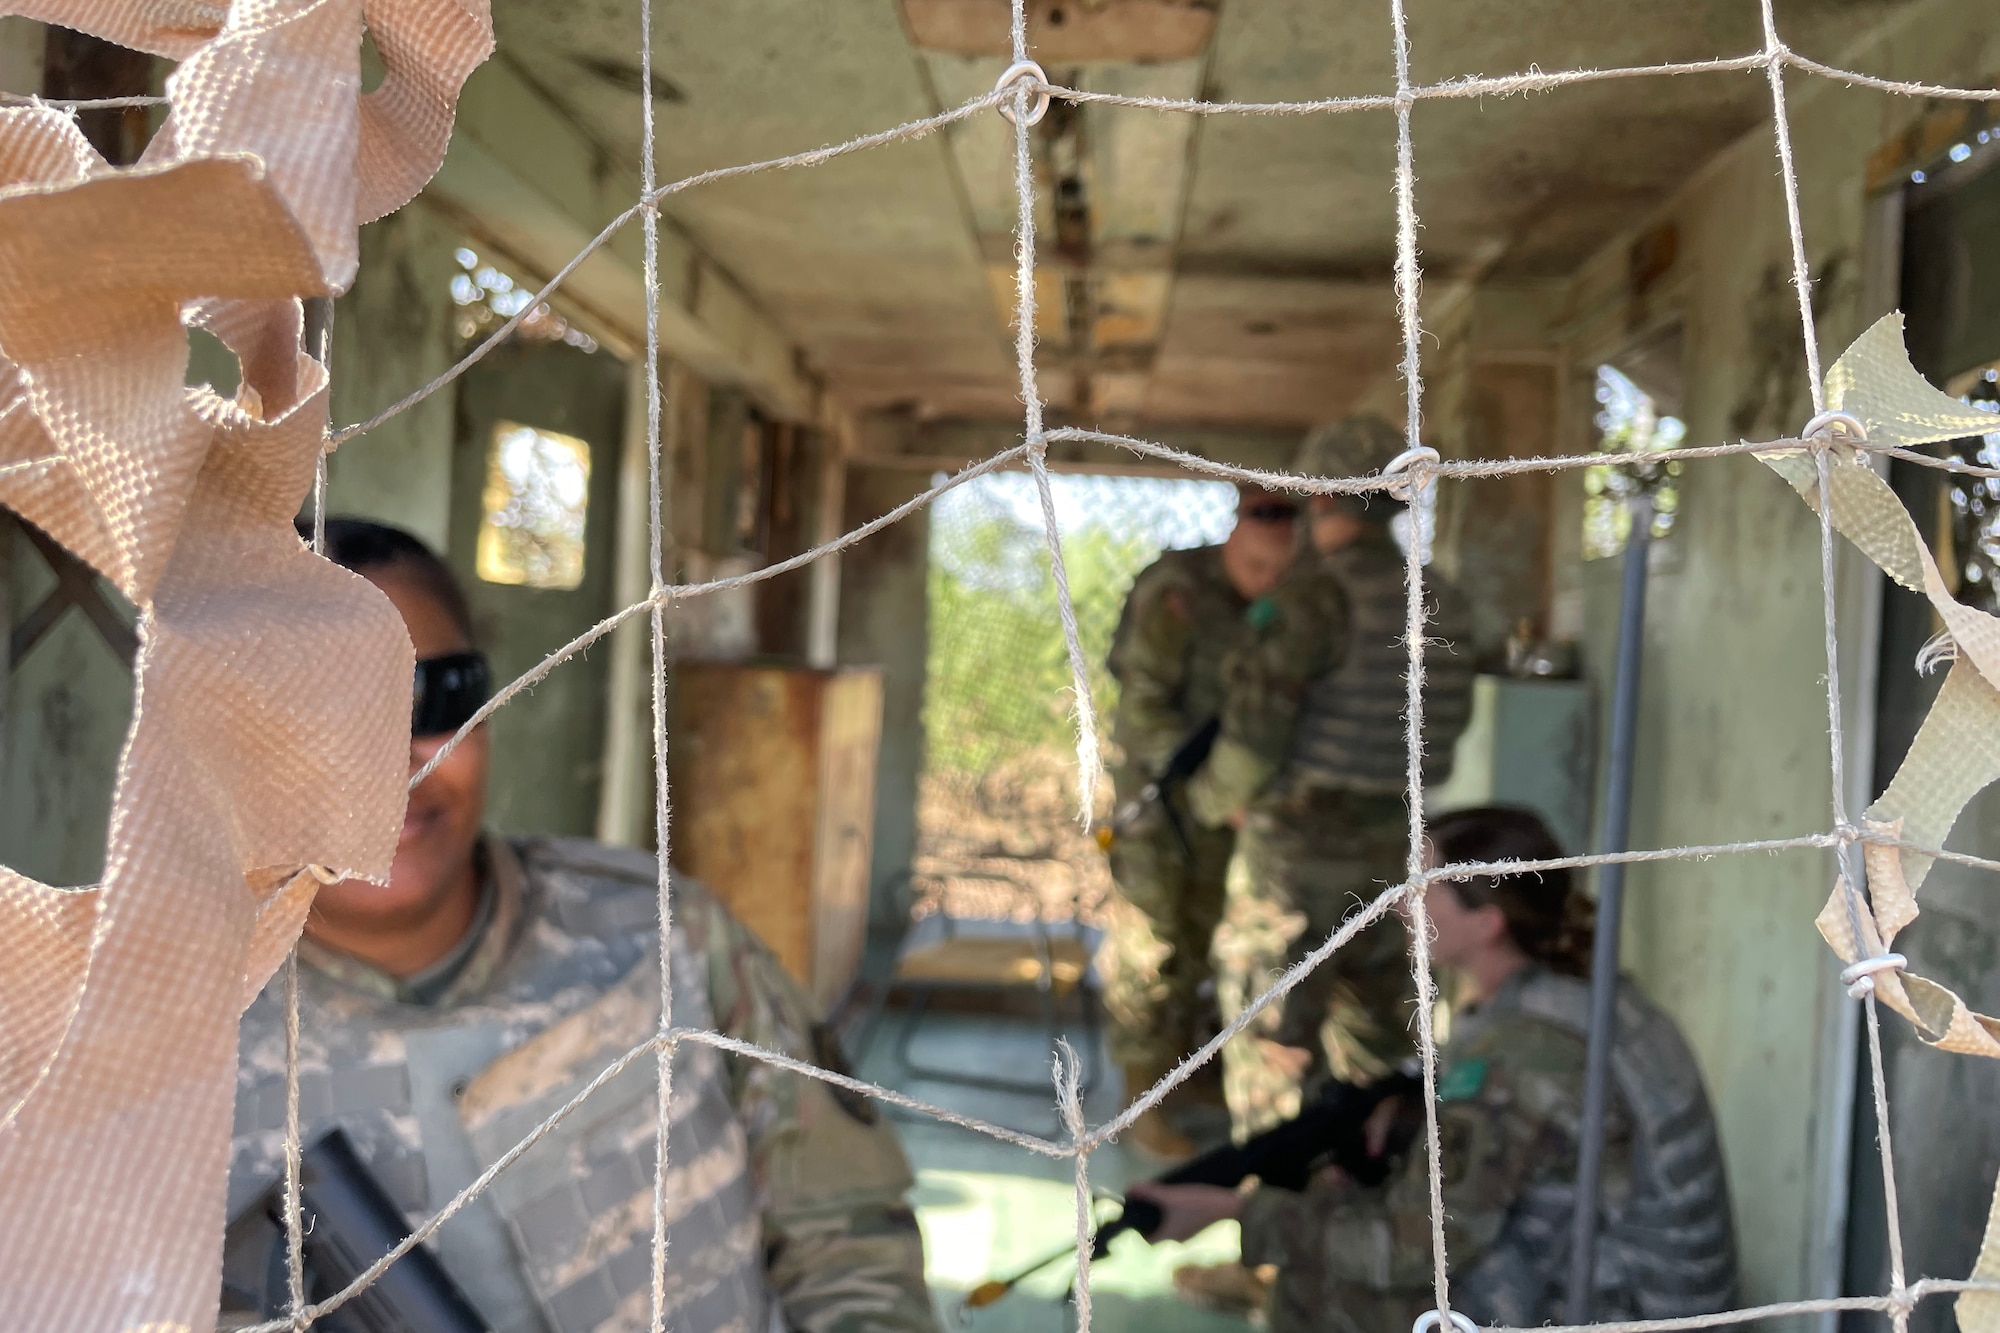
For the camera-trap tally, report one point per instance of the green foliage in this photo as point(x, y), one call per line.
point(998, 679)
point(998, 683)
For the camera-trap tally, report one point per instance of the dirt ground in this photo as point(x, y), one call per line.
point(1008, 844)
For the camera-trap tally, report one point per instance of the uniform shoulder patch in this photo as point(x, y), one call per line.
point(1463, 1080)
point(1262, 612)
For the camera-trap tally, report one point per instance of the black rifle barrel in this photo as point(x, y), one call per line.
point(351, 1222)
point(1330, 1128)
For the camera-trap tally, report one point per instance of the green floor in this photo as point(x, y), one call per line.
point(989, 1208)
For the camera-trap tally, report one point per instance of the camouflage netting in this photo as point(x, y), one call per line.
point(269, 743)
point(268, 749)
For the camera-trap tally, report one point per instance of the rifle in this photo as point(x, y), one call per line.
point(1330, 1131)
point(1181, 765)
point(350, 1222)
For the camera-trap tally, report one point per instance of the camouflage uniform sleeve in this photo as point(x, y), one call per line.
point(1148, 659)
point(1499, 1124)
point(843, 1250)
point(1295, 635)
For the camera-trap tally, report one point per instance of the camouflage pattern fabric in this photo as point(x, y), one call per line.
point(1303, 862)
point(1510, 1090)
point(1155, 959)
point(1180, 620)
point(786, 1205)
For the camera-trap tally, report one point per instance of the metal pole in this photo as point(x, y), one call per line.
point(1610, 909)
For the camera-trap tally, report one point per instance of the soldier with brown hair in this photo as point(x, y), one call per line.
point(1350, 1259)
point(447, 1013)
point(1185, 612)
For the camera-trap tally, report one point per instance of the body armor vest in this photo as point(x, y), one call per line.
point(1350, 730)
point(1666, 1245)
point(561, 1241)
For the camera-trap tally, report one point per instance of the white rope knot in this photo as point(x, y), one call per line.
point(325, 874)
point(1835, 428)
point(1430, 1321)
point(1025, 73)
point(1859, 978)
point(1402, 462)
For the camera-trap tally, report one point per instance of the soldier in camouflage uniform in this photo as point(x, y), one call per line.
point(784, 1196)
point(1311, 763)
point(1183, 614)
point(1510, 1091)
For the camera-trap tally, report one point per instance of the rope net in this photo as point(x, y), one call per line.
point(1822, 465)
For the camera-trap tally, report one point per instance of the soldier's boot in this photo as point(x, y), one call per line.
point(1152, 1133)
point(1226, 1288)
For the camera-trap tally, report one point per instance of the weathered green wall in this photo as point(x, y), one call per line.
point(20, 55)
point(1733, 733)
point(392, 334)
point(884, 622)
point(64, 708)
point(548, 744)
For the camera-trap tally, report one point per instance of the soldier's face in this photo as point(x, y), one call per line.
point(1456, 933)
point(1256, 555)
point(441, 824)
point(1460, 935)
point(1334, 526)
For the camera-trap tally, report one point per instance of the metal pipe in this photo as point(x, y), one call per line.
point(1610, 911)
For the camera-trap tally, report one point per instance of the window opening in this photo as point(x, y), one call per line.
point(1631, 427)
point(534, 508)
point(1974, 515)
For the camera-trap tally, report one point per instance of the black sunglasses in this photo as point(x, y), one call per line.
point(1272, 511)
point(449, 690)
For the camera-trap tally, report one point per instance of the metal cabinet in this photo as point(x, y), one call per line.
point(772, 773)
point(1529, 744)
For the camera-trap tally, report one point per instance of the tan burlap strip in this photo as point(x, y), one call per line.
point(271, 719)
point(270, 724)
point(282, 79)
point(1957, 750)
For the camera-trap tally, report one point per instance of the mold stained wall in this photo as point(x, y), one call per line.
point(1733, 737)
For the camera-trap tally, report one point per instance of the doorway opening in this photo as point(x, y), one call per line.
point(998, 836)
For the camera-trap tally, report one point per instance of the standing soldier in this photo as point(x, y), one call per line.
point(1180, 620)
point(1311, 761)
